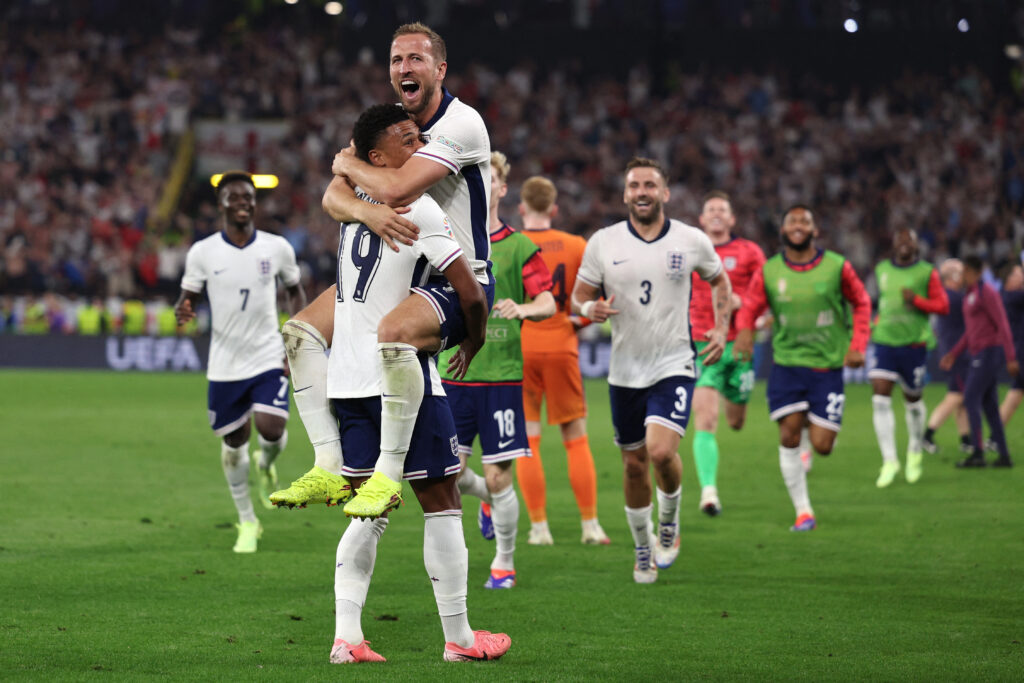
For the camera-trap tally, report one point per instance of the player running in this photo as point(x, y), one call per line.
point(454, 169)
point(808, 290)
point(488, 400)
point(551, 372)
point(730, 378)
point(371, 281)
point(644, 265)
point(239, 267)
point(909, 290)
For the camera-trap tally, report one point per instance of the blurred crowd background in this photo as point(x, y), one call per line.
point(113, 115)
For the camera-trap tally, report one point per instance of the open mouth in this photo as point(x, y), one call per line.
point(410, 88)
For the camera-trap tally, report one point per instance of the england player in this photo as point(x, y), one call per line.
point(949, 328)
point(808, 291)
point(1013, 302)
point(644, 266)
point(371, 281)
point(239, 267)
point(909, 290)
point(454, 169)
point(551, 373)
point(730, 378)
point(988, 339)
point(488, 400)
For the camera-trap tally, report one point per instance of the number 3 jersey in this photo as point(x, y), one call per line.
point(372, 280)
point(241, 285)
point(651, 285)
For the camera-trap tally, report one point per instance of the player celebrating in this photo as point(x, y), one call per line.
point(488, 400)
point(909, 290)
point(454, 168)
point(371, 281)
point(730, 378)
point(644, 265)
point(551, 371)
point(988, 339)
point(239, 267)
point(807, 289)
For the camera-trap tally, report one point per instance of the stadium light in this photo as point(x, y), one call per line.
point(1013, 51)
point(963, 26)
point(291, 2)
point(262, 181)
point(850, 25)
point(333, 8)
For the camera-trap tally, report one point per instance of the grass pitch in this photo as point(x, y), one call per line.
point(116, 530)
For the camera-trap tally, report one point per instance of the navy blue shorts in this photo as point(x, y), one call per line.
point(442, 298)
point(495, 412)
point(433, 450)
point(904, 364)
point(667, 403)
point(231, 403)
point(957, 379)
point(816, 392)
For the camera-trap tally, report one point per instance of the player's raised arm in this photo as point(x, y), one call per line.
point(474, 307)
point(341, 203)
point(393, 186)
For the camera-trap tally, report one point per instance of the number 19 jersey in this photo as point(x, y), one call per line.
point(651, 285)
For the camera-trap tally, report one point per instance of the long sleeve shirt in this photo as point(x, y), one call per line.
point(985, 323)
point(937, 302)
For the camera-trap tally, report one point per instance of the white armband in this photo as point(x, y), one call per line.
point(586, 307)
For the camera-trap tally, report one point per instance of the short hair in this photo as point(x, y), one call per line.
point(794, 207)
point(437, 46)
point(716, 194)
point(500, 165)
point(538, 193)
point(951, 268)
point(974, 262)
point(644, 162)
point(372, 124)
point(233, 176)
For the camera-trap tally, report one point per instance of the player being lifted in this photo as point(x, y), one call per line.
point(488, 400)
point(372, 280)
point(239, 267)
point(909, 290)
point(454, 169)
point(644, 265)
point(551, 372)
point(807, 290)
point(730, 378)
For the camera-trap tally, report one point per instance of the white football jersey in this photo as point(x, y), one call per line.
point(241, 285)
point(372, 280)
point(651, 284)
point(457, 139)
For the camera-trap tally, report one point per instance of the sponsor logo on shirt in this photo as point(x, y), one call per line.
point(451, 144)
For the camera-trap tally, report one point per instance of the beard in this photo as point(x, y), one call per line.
point(426, 95)
point(654, 212)
point(797, 246)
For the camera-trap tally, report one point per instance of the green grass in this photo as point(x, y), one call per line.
point(116, 563)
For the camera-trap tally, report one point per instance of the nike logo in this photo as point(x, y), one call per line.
point(303, 389)
point(280, 404)
point(676, 416)
point(615, 263)
point(218, 272)
point(502, 444)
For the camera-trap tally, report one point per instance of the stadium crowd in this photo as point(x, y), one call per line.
point(90, 124)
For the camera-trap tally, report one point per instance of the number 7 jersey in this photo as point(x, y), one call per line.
point(651, 284)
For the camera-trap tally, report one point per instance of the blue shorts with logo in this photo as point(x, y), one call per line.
point(231, 403)
point(819, 393)
point(904, 364)
point(666, 403)
point(442, 298)
point(433, 450)
point(495, 412)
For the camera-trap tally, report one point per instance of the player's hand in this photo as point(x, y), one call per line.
point(1013, 368)
point(342, 160)
point(908, 297)
point(716, 346)
point(508, 309)
point(458, 364)
point(603, 310)
point(854, 359)
point(743, 346)
point(946, 362)
point(183, 313)
point(390, 224)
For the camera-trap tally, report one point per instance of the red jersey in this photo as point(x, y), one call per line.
point(562, 253)
point(741, 258)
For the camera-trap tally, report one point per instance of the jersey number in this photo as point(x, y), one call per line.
point(646, 298)
point(558, 287)
point(245, 297)
point(834, 407)
point(366, 254)
point(506, 420)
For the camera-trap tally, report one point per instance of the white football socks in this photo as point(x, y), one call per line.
point(472, 484)
point(357, 552)
point(505, 516)
point(235, 462)
point(668, 505)
point(885, 426)
point(400, 399)
point(307, 359)
point(795, 478)
point(447, 562)
point(639, 520)
point(269, 450)
point(916, 414)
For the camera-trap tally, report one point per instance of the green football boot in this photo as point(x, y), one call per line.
point(316, 486)
point(375, 497)
point(248, 535)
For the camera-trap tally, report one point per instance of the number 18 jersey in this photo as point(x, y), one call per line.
point(651, 285)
